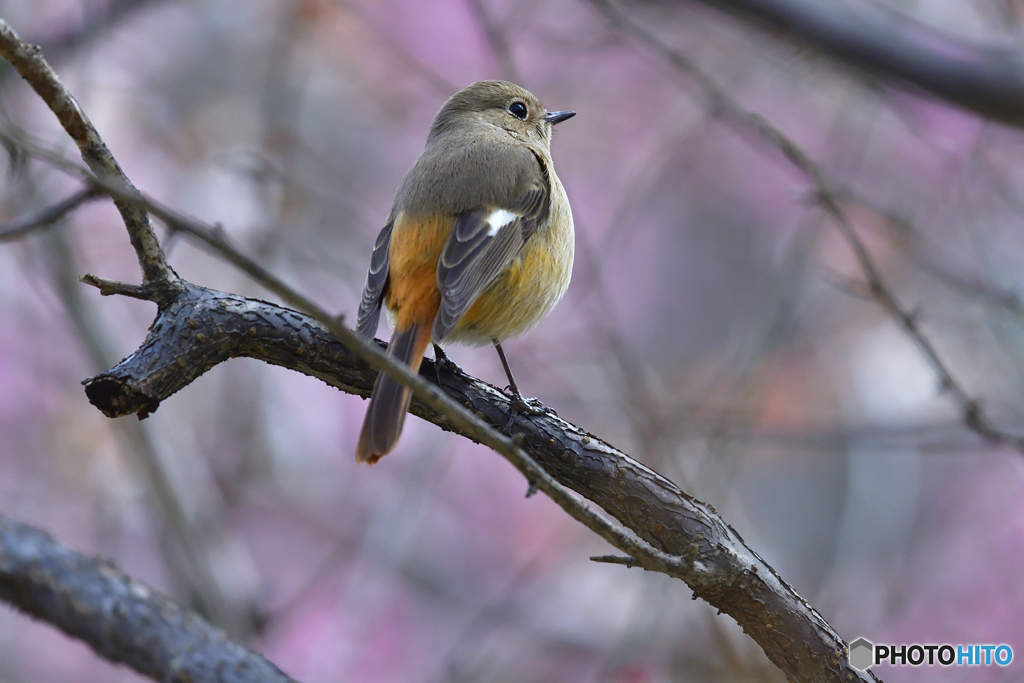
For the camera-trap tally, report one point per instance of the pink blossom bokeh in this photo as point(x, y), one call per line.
point(712, 330)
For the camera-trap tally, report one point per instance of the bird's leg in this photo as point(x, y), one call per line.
point(508, 373)
point(519, 404)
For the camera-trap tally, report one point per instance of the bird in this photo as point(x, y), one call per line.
point(478, 246)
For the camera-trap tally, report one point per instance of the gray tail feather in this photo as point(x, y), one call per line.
point(390, 400)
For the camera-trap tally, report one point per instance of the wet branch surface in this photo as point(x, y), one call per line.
point(124, 620)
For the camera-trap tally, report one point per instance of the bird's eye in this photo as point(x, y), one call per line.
point(518, 110)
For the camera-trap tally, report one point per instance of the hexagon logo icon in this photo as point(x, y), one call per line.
point(862, 654)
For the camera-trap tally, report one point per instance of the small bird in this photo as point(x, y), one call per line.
point(478, 247)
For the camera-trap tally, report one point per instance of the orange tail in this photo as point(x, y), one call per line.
point(390, 400)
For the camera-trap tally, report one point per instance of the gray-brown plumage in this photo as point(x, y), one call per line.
point(479, 244)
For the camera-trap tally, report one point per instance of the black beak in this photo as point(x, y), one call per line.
point(554, 117)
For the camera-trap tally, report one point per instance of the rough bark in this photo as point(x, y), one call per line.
point(204, 327)
point(122, 619)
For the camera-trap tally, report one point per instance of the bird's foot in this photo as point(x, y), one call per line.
point(525, 406)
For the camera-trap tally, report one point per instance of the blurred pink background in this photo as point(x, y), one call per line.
point(709, 332)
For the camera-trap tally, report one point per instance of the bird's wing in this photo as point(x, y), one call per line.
point(376, 281)
point(483, 243)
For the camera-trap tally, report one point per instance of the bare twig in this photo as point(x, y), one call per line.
point(112, 287)
point(48, 216)
point(211, 235)
point(124, 620)
point(973, 285)
point(726, 108)
point(627, 562)
point(28, 60)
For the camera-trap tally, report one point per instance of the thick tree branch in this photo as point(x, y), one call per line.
point(123, 620)
point(28, 61)
point(984, 79)
point(204, 327)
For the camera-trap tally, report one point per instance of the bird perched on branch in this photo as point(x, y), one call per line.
point(478, 247)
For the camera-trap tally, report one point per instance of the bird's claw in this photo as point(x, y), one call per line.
point(525, 406)
point(442, 363)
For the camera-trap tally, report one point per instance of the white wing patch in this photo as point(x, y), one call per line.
point(498, 219)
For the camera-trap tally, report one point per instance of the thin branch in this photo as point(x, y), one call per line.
point(112, 287)
point(985, 79)
point(122, 619)
point(48, 216)
point(627, 562)
point(212, 236)
point(726, 108)
point(972, 285)
point(28, 61)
